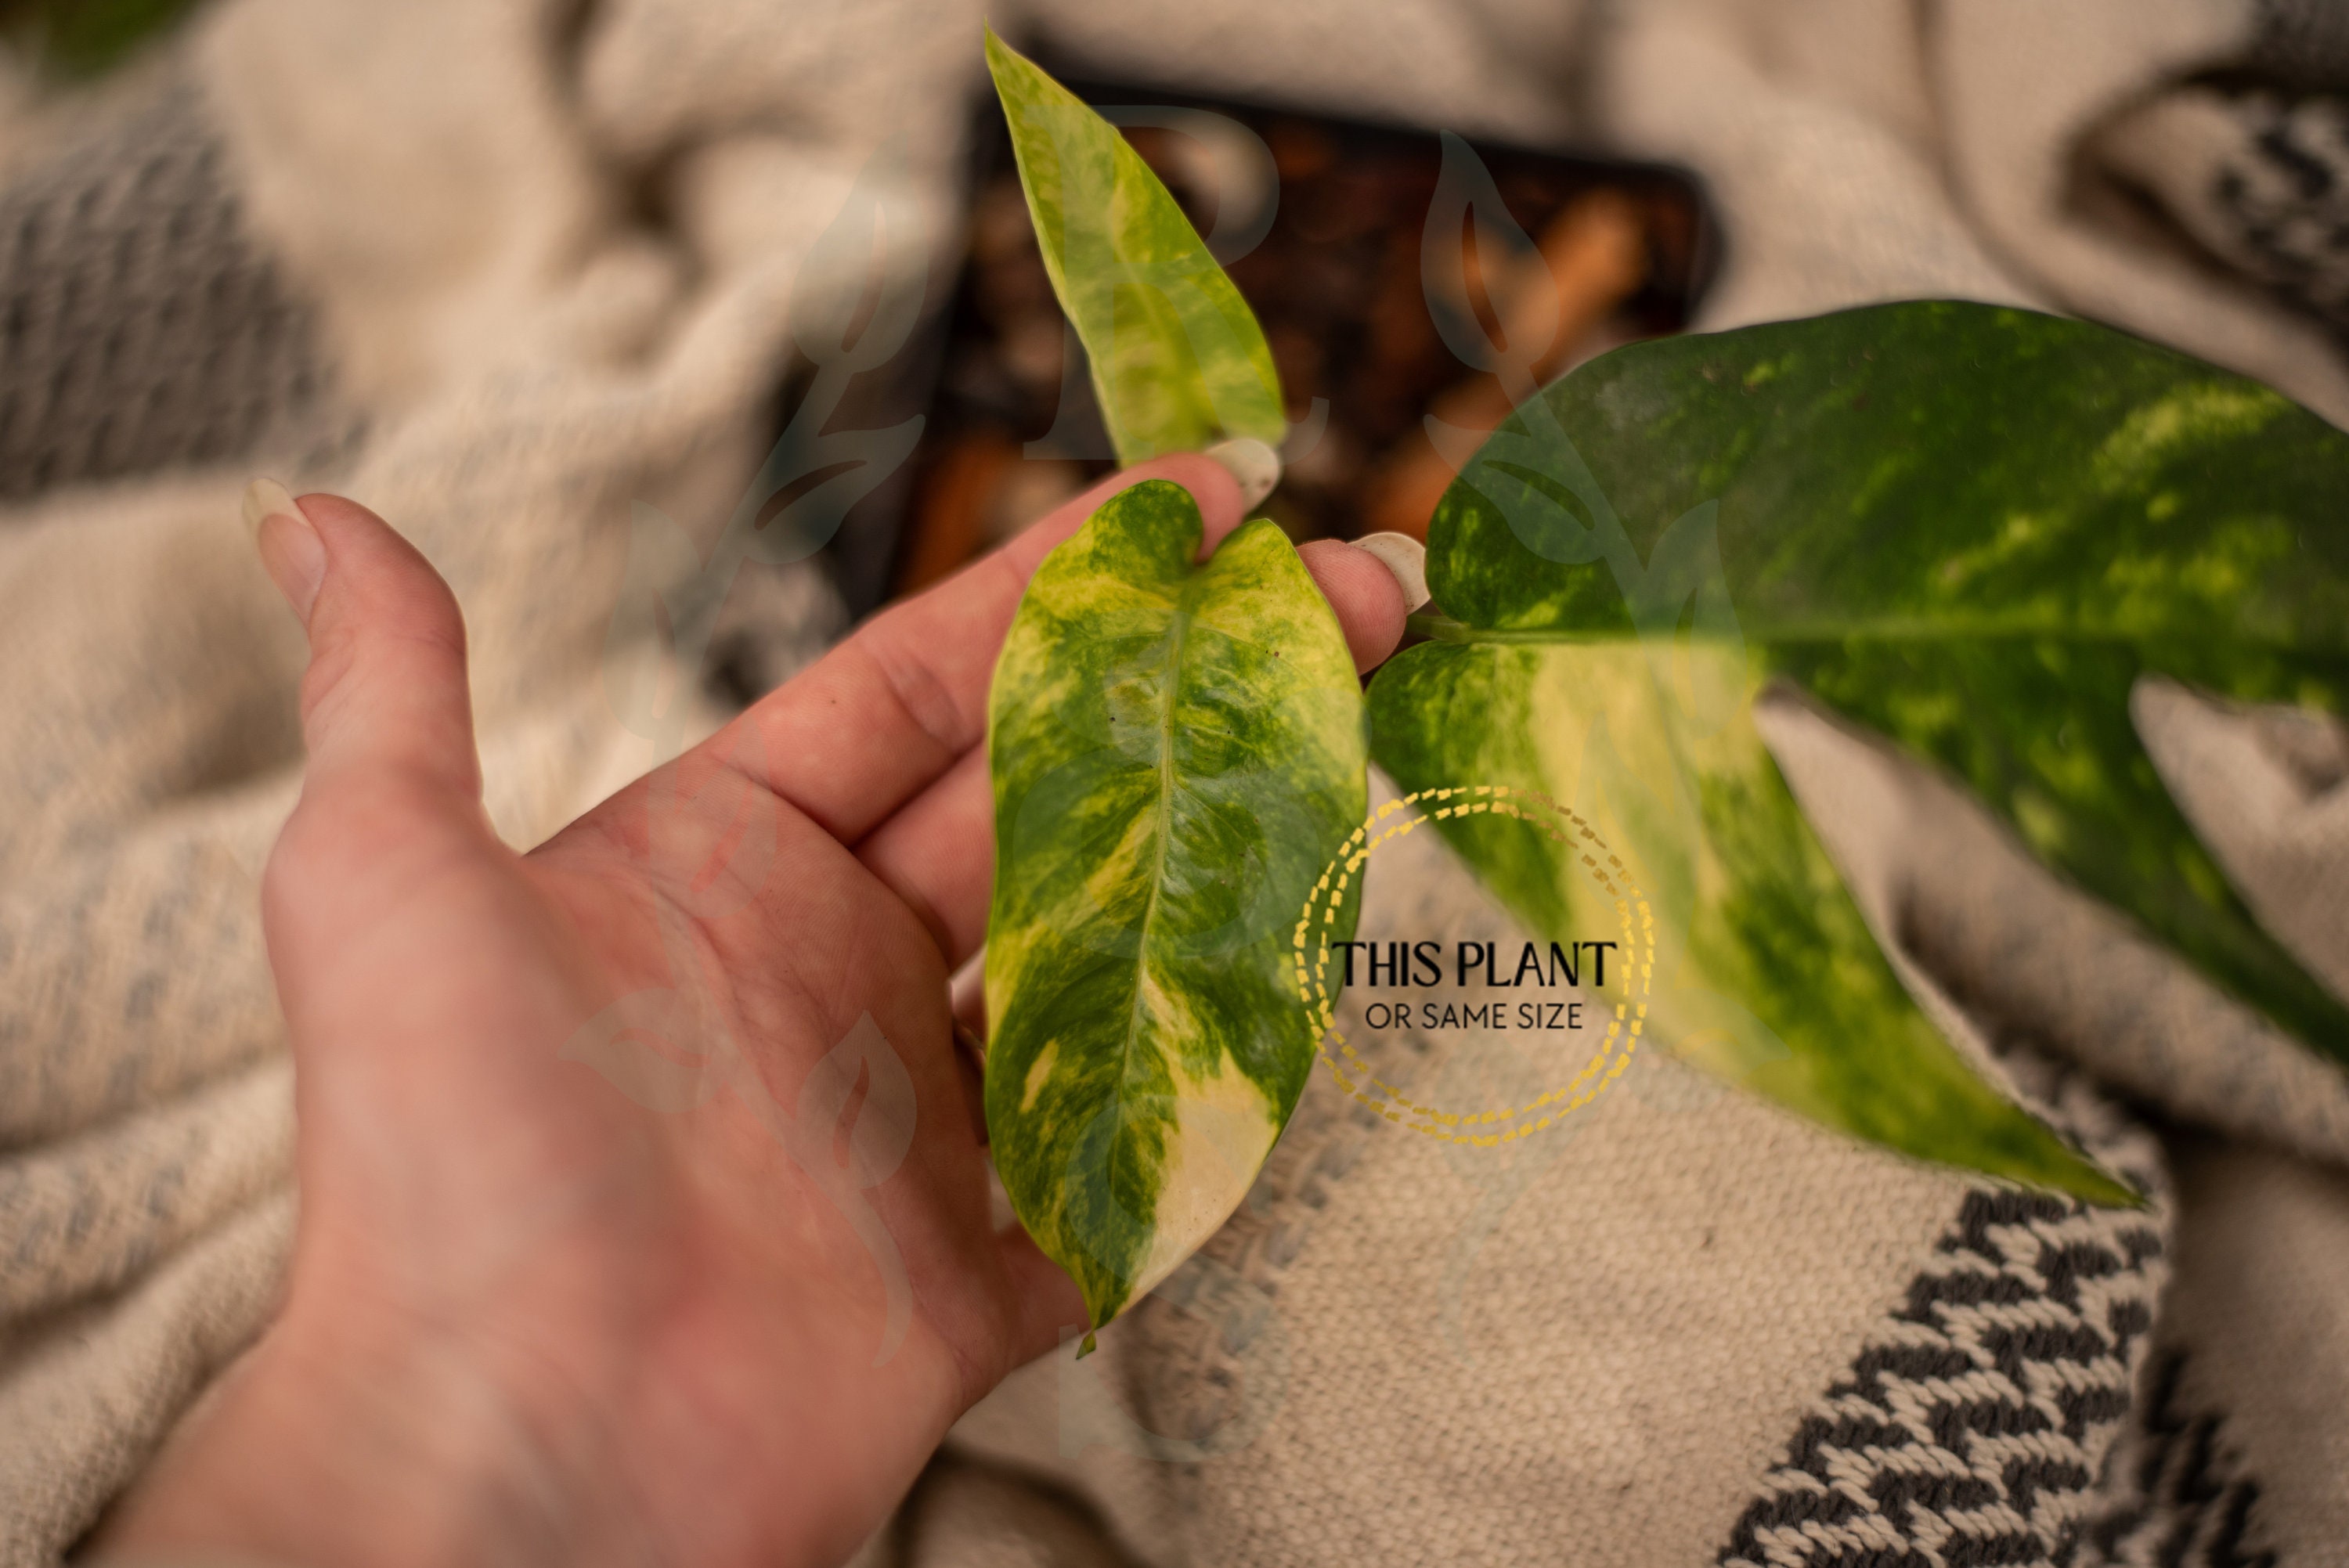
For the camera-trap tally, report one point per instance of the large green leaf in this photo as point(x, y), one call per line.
point(1972, 527)
point(1177, 752)
point(1179, 360)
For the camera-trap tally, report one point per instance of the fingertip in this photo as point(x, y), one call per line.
point(1363, 591)
point(1406, 557)
point(287, 544)
point(340, 517)
point(384, 692)
point(1253, 464)
point(380, 566)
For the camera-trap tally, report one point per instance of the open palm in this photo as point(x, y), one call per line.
point(644, 1206)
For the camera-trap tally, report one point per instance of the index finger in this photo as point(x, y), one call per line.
point(881, 717)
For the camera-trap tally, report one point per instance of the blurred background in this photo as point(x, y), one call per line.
point(2206, 185)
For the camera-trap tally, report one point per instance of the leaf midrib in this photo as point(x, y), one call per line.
point(1179, 642)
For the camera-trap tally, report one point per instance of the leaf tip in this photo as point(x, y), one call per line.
point(2092, 1184)
point(1001, 55)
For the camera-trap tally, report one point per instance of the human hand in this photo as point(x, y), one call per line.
point(528, 1317)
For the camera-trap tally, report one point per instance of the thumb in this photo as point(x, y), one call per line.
point(384, 700)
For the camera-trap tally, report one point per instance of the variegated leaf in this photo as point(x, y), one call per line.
point(1766, 974)
point(1177, 751)
point(1179, 360)
point(1972, 527)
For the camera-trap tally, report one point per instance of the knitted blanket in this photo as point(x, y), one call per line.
point(505, 269)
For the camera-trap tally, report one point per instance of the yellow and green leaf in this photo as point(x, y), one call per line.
point(1179, 360)
point(1177, 751)
point(1971, 528)
point(1766, 974)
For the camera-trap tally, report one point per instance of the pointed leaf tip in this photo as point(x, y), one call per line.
point(1179, 360)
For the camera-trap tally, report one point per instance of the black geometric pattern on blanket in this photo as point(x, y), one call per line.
point(1978, 1416)
point(2177, 1491)
point(140, 327)
point(2282, 197)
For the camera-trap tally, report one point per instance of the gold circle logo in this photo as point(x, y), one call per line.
point(1485, 1128)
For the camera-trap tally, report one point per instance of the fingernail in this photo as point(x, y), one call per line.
point(290, 550)
point(1250, 462)
point(1405, 557)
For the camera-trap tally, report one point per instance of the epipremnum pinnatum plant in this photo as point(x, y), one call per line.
point(1972, 529)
